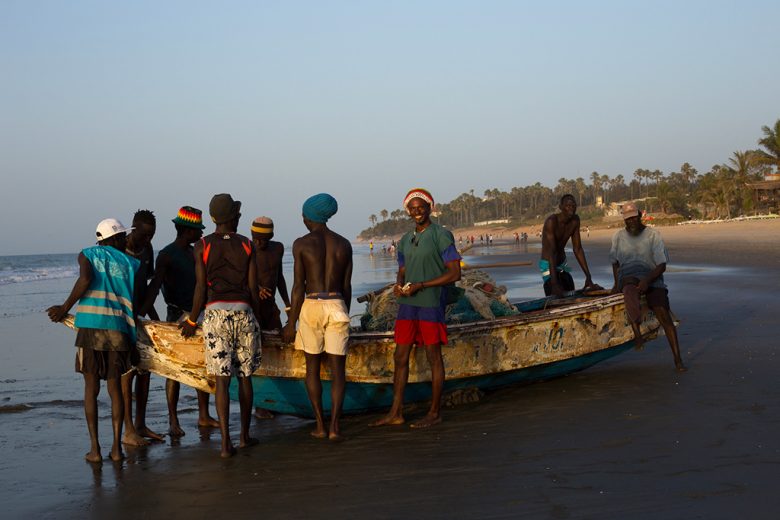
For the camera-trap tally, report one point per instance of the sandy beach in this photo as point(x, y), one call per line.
point(628, 438)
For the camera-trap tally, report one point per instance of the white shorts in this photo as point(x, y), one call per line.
point(323, 326)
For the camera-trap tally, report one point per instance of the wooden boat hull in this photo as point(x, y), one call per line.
point(538, 344)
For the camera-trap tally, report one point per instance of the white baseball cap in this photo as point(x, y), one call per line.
point(110, 227)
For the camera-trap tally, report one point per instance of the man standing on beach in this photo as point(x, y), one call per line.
point(427, 262)
point(226, 281)
point(139, 246)
point(175, 274)
point(107, 290)
point(321, 296)
point(557, 230)
point(270, 279)
point(639, 258)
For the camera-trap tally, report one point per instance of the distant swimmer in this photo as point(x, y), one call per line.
point(226, 282)
point(427, 263)
point(321, 297)
point(174, 273)
point(107, 293)
point(639, 259)
point(557, 231)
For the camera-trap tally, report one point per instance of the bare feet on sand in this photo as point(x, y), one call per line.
point(426, 422)
point(247, 442)
point(319, 433)
point(335, 437)
point(388, 420)
point(144, 431)
point(208, 422)
point(680, 367)
point(116, 454)
point(94, 456)
point(175, 431)
point(262, 413)
point(133, 439)
point(227, 452)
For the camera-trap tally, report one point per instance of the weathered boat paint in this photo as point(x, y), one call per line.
point(538, 344)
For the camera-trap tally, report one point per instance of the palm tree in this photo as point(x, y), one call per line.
point(372, 219)
point(580, 187)
point(595, 180)
point(771, 142)
point(384, 214)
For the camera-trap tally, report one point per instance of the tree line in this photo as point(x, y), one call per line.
point(721, 192)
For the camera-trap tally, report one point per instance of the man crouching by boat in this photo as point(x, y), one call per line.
point(105, 317)
point(321, 294)
point(639, 258)
point(225, 278)
point(427, 262)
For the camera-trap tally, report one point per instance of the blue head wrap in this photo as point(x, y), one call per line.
point(320, 207)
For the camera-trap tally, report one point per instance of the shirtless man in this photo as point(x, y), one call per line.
point(270, 278)
point(321, 295)
point(106, 326)
point(557, 231)
point(175, 274)
point(139, 246)
point(225, 281)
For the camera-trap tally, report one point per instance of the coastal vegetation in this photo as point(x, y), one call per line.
point(721, 192)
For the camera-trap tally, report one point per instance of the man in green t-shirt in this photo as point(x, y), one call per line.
point(427, 262)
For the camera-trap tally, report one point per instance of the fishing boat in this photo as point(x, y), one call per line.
point(548, 338)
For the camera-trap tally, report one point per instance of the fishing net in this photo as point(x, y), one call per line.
point(478, 298)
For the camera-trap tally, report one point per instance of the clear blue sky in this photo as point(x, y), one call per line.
point(107, 107)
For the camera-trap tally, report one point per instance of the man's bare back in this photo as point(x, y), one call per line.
point(326, 258)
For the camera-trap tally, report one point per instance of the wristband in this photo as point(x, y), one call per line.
point(287, 309)
point(190, 322)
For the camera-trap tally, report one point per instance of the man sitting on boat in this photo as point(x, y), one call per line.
point(321, 296)
point(226, 278)
point(427, 262)
point(639, 258)
point(557, 231)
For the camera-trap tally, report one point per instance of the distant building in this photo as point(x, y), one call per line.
point(766, 194)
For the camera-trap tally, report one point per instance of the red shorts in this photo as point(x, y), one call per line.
point(409, 332)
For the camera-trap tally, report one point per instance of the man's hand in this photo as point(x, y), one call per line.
point(187, 329)
point(56, 313)
point(265, 293)
point(398, 290)
point(556, 290)
point(643, 285)
point(288, 333)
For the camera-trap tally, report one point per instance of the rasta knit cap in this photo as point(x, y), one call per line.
point(189, 217)
point(418, 193)
point(263, 225)
point(320, 207)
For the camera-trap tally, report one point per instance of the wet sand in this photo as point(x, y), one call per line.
point(628, 438)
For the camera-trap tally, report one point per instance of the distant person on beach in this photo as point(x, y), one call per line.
point(107, 292)
point(175, 274)
point(427, 263)
point(226, 282)
point(321, 297)
point(557, 230)
point(139, 246)
point(639, 259)
point(270, 279)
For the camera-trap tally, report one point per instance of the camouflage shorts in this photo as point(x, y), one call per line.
point(232, 340)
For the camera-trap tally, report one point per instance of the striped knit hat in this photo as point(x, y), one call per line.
point(263, 225)
point(189, 217)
